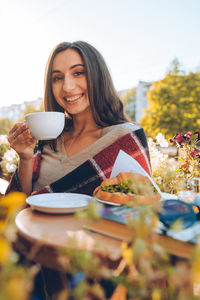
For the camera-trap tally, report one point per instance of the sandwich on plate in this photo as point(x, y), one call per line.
point(126, 187)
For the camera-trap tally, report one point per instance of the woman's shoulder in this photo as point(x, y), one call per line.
point(123, 127)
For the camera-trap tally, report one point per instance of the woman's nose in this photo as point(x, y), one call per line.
point(68, 83)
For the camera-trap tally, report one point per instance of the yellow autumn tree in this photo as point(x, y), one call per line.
point(173, 103)
point(5, 126)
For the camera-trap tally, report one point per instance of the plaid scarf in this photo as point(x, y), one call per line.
point(85, 178)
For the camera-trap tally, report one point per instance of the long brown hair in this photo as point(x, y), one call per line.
point(106, 105)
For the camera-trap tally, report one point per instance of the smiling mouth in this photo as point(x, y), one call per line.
point(74, 98)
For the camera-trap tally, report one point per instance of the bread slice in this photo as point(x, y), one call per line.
point(117, 197)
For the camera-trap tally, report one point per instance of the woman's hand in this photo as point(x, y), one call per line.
point(22, 141)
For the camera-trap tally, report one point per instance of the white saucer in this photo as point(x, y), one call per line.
point(58, 203)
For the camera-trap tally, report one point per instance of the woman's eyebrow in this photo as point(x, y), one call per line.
point(77, 65)
point(72, 67)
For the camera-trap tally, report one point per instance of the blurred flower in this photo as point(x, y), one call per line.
point(8, 159)
point(17, 287)
point(189, 154)
point(156, 294)
point(10, 155)
point(8, 205)
point(5, 250)
point(164, 169)
point(195, 152)
point(15, 279)
point(3, 139)
point(119, 293)
point(161, 140)
point(127, 253)
point(12, 201)
point(11, 167)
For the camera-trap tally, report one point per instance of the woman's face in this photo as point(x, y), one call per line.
point(69, 82)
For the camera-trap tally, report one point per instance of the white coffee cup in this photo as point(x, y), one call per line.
point(46, 125)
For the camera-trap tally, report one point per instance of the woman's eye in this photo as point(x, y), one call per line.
point(78, 73)
point(56, 78)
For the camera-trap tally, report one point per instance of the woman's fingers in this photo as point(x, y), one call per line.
point(14, 132)
point(17, 126)
point(18, 129)
point(21, 140)
point(19, 133)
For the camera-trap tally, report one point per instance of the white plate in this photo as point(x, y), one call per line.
point(165, 196)
point(107, 202)
point(58, 203)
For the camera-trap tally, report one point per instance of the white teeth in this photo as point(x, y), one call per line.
point(73, 98)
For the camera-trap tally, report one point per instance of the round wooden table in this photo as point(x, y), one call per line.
point(40, 237)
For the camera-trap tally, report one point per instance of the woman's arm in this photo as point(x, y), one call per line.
point(24, 173)
point(23, 143)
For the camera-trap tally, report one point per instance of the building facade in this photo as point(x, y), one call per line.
point(15, 111)
point(141, 99)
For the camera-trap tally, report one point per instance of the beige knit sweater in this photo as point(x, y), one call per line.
point(55, 165)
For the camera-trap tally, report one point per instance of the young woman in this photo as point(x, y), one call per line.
point(78, 83)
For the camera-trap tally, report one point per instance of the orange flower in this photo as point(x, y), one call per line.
point(119, 293)
point(13, 201)
point(127, 253)
point(156, 294)
point(5, 250)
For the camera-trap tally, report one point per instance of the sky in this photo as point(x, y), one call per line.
point(138, 39)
